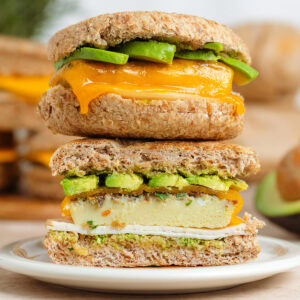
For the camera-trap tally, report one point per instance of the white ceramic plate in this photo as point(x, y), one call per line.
point(28, 257)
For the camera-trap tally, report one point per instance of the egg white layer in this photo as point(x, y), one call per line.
point(205, 234)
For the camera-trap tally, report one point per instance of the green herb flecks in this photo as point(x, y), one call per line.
point(91, 224)
point(161, 196)
point(189, 202)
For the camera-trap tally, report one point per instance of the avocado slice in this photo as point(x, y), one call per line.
point(149, 50)
point(79, 185)
point(129, 182)
point(93, 54)
point(215, 46)
point(216, 183)
point(243, 73)
point(279, 211)
point(168, 180)
point(197, 55)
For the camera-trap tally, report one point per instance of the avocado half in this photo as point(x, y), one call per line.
point(279, 211)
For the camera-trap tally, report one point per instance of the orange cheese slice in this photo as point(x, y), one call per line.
point(230, 195)
point(41, 157)
point(29, 88)
point(7, 155)
point(184, 79)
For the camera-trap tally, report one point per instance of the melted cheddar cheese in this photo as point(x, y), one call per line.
point(7, 155)
point(41, 157)
point(184, 79)
point(29, 88)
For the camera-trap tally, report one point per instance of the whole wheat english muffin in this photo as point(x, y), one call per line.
point(116, 251)
point(84, 156)
point(114, 115)
point(108, 30)
point(97, 91)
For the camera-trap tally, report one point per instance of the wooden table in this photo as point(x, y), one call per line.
point(14, 286)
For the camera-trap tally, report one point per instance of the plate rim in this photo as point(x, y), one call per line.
point(14, 263)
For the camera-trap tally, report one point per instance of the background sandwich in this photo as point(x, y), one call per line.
point(137, 203)
point(8, 157)
point(36, 179)
point(147, 75)
point(24, 75)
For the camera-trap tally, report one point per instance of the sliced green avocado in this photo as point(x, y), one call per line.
point(129, 182)
point(93, 54)
point(79, 185)
point(215, 46)
point(243, 73)
point(168, 180)
point(149, 51)
point(279, 211)
point(197, 55)
point(216, 183)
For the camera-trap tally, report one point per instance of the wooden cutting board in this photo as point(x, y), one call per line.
point(17, 207)
point(271, 130)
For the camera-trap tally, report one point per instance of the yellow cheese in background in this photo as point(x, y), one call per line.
point(8, 155)
point(183, 79)
point(42, 157)
point(29, 88)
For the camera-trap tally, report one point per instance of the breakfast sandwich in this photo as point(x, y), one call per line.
point(157, 203)
point(36, 179)
point(24, 75)
point(8, 157)
point(147, 75)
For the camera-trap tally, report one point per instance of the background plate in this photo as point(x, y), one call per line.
point(28, 257)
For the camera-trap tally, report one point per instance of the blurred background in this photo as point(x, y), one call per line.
point(270, 28)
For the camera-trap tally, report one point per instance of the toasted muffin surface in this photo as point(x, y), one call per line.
point(84, 156)
point(111, 29)
point(112, 115)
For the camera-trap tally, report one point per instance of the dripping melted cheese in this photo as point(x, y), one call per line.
point(184, 79)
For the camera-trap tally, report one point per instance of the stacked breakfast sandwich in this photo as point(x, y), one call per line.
point(134, 202)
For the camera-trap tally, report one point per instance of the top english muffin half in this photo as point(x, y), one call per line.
point(147, 75)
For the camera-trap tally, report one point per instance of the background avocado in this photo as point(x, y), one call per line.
point(79, 185)
point(93, 54)
point(149, 51)
point(269, 203)
point(124, 181)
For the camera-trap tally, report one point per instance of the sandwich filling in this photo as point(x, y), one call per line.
point(184, 79)
point(151, 70)
point(120, 200)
